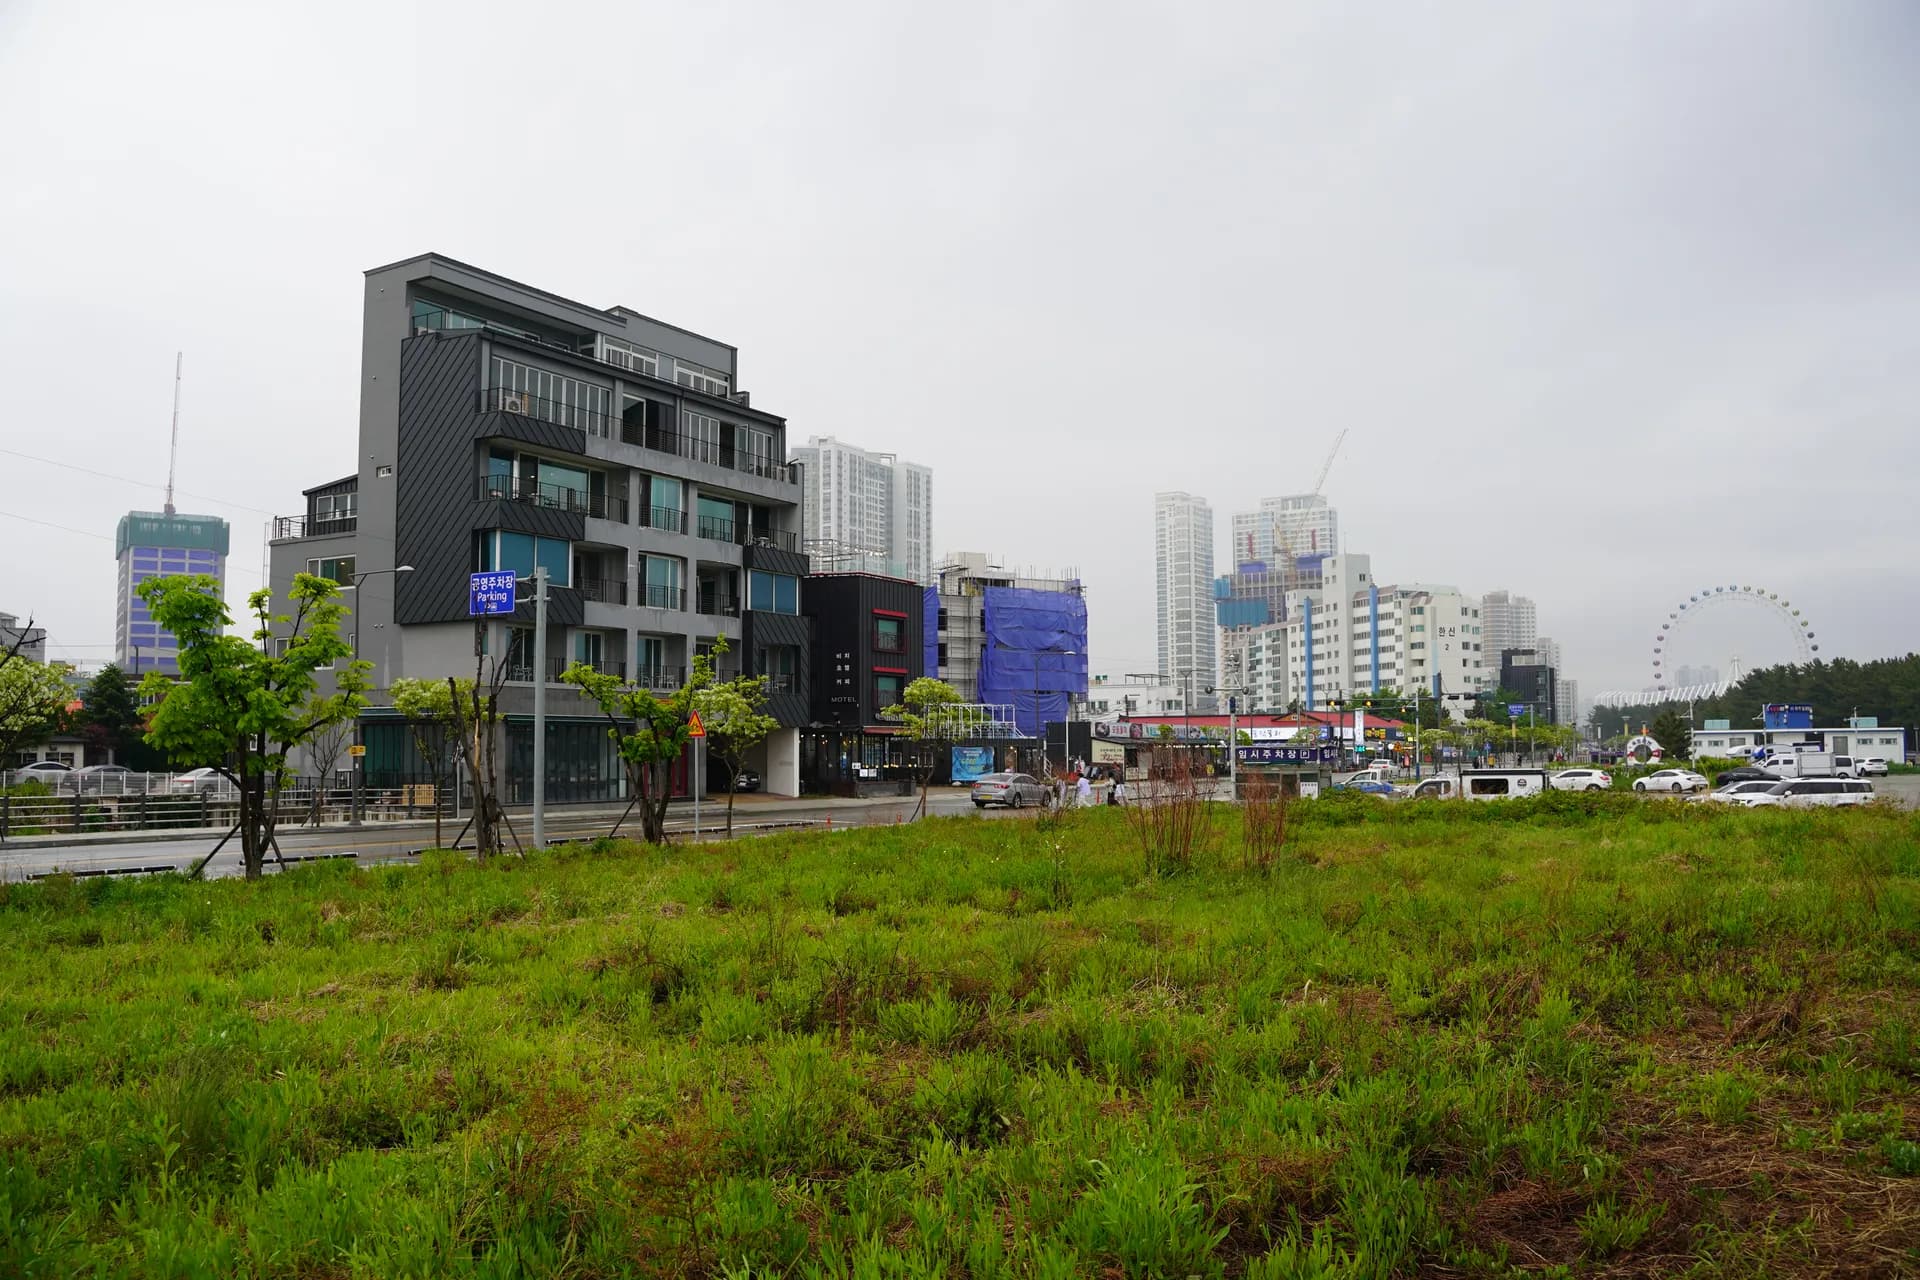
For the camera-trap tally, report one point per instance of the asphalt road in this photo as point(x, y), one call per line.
point(387, 842)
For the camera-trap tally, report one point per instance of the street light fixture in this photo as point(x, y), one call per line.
point(359, 733)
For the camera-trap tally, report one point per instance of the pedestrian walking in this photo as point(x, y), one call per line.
point(1118, 796)
point(1084, 792)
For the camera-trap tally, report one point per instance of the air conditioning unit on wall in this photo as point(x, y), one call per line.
point(512, 402)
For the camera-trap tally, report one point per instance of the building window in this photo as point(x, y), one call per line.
point(703, 435)
point(660, 582)
point(520, 552)
point(630, 355)
point(338, 569)
point(331, 506)
point(700, 378)
point(773, 592)
point(886, 689)
point(778, 663)
point(889, 634)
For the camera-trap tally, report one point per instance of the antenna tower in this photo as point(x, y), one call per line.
point(173, 450)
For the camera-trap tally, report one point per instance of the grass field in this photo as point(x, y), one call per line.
point(1582, 1036)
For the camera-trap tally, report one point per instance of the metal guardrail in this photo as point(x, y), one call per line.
point(159, 809)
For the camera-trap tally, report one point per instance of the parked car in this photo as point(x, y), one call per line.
point(47, 771)
point(197, 782)
point(1741, 790)
point(1873, 767)
point(1816, 793)
point(1742, 773)
point(1580, 780)
point(748, 780)
point(110, 778)
point(1367, 785)
point(1014, 790)
point(1674, 780)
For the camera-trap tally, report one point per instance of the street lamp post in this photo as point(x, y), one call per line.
point(359, 732)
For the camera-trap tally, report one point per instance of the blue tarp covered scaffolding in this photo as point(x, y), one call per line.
point(1033, 640)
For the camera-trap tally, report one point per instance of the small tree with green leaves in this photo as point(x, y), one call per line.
point(34, 697)
point(243, 706)
point(429, 707)
point(928, 712)
point(649, 731)
point(475, 709)
point(733, 712)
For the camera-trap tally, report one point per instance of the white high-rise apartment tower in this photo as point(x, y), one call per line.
point(1183, 596)
point(1508, 622)
point(866, 512)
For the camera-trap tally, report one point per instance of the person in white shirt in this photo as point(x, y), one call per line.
point(1084, 794)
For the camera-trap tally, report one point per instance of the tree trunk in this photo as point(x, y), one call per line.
point(733, 786)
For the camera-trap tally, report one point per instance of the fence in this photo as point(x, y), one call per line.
point(31, 806)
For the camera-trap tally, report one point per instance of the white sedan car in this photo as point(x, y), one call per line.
point(1743, 792)
point(1580, 780)
point(1674, 780)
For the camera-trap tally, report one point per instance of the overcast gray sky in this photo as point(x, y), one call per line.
point(1618, 300)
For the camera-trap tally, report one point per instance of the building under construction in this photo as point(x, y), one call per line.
point(1004, 637)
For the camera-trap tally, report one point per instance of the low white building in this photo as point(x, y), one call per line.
point(1864, 738)
point(1133, 696)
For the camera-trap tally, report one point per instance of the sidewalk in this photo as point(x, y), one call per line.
point(748, 808)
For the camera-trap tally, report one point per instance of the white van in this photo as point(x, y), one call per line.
point(1485, 784)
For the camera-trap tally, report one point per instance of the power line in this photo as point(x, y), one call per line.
point(144, 484)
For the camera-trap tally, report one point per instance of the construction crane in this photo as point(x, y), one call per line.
point(1320, 481)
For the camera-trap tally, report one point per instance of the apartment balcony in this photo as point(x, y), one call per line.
point(782, 684)
point(586, 421)
point(667, 519)
point(660, 679)
point(553, 497)
point(602, 590)
point(605, 666)
point(301, 527)
point(717, 604)
point(715, 528)
point(652, 597)
point(720, 529)
point(520, 671)
point(702, 449)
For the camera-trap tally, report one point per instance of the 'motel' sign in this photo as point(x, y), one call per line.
point(490, 593)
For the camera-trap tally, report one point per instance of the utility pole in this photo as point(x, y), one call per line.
point(540, 708)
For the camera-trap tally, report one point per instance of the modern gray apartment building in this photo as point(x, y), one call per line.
point(504, 427)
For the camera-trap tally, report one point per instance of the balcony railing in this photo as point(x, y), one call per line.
point(605, 666)
point(770, 538)
point(520, 670)
point(589, 421)
point(603, 590)
point(302, 527)
point(660, 678)
point(671, 519)
point(715, 527)
point(653, 597)
point(718, 604)
point(782, 684)
point(703, 449)
point(555, 497)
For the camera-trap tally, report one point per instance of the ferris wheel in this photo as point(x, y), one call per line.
point(1800, 628)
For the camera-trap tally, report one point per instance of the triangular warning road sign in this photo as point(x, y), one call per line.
point(694, 728)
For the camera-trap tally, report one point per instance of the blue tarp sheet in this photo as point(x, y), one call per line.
point(930, 633)
point(1034, 640)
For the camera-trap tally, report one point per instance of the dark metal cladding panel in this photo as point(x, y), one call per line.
point(435, 465)
point(761, 629)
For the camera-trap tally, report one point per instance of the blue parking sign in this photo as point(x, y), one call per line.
point(490, 593)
